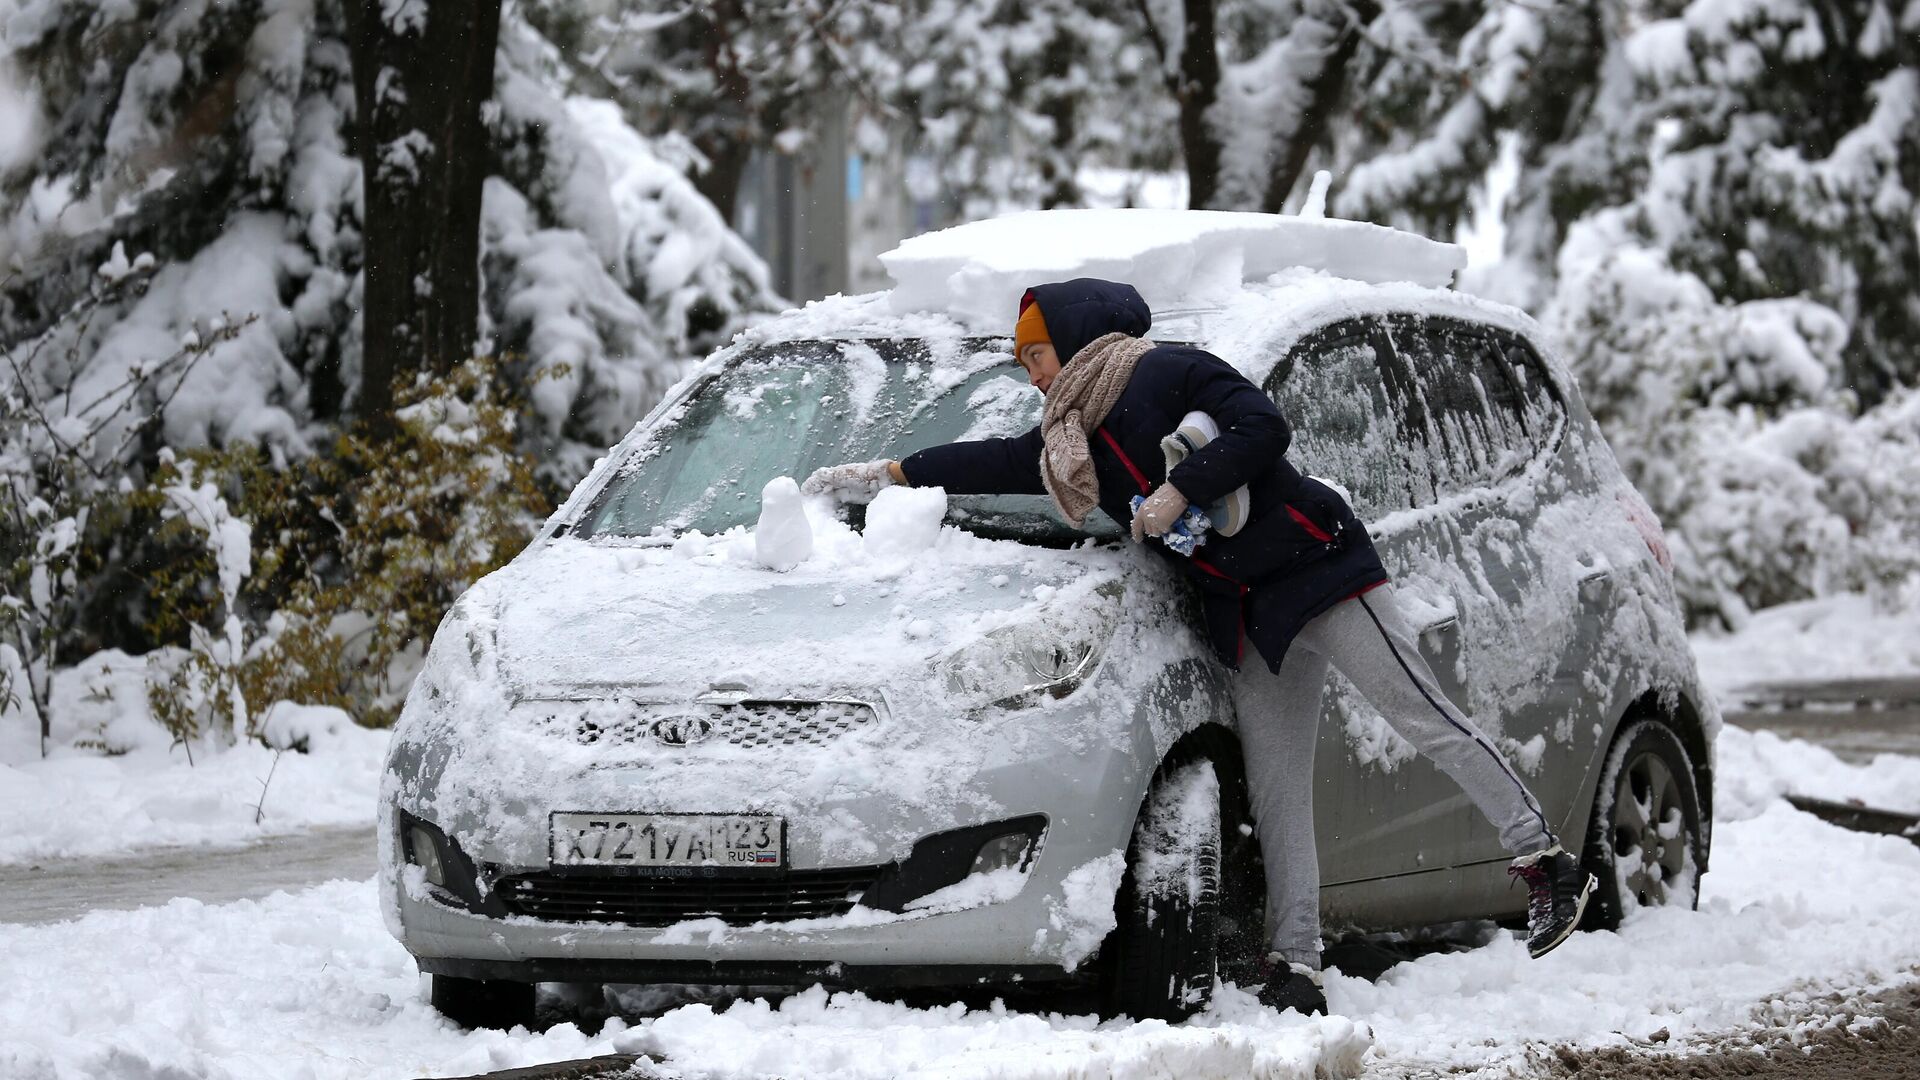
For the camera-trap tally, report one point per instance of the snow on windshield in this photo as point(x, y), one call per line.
point(786, 409)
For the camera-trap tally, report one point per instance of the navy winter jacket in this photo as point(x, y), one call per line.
point(1301, 551)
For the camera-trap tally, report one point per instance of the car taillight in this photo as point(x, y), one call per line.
point(1649, 528)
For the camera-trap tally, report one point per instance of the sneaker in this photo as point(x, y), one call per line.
point(1291, 986)
point(1557, 892)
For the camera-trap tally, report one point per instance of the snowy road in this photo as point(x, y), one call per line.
point(58, 889)
point(1855, 718)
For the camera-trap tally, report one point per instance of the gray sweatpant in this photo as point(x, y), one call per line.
point(1369, 640)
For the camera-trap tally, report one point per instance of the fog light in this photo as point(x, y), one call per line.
point(424, 853)
point(1006, 851)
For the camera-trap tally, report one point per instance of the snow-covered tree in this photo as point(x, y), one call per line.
point(224, 138)
point(221, 137)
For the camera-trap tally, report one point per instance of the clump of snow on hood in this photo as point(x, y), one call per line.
point(783, 540)
point(979, 270)
point(903, 521)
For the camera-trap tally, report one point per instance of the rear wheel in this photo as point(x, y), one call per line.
point(477, 1003)
point(1644, 840)
point(1164, 952)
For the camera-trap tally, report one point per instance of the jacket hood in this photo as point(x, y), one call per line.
point(1081, 310)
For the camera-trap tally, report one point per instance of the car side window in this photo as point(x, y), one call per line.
point(1475, 403)
point(1333, 389)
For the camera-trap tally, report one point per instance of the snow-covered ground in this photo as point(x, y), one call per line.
point(1830, 639)
point(310, 984)
point(146, 792)
point(312, 978)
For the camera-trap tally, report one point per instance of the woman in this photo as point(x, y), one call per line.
point(1300, 580)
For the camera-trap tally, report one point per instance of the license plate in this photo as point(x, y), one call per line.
point(734, 841)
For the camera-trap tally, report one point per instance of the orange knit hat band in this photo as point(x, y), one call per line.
point(1031, 329)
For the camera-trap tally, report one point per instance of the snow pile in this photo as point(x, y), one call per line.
point(903, 522)
point(847, 1036)
point(1757, 767)
point(978, 271)
point(1845, 636)
point(145, 793)
point(1833, 909)
point(312, 982)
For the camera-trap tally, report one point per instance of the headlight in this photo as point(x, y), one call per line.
point(424, 851)
point(1007, 851)
point(1019, 666)
point(462, 657)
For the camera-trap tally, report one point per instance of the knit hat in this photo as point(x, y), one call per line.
point(1031, 329)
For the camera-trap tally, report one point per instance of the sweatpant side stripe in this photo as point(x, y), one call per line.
point(1526, 796)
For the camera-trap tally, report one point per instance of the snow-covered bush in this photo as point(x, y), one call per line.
point(1734, 420)
point(421, 513)
point(68, 470)
point(201, 696)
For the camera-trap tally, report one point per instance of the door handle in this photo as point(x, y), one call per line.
point(1595, 585)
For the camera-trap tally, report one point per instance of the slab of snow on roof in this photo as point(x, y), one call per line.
point(978, 271)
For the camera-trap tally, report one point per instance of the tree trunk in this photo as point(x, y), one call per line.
point(420, 74)
point(726, 165)
point(1194, 83)
point(1057, 104)
point(1196, 90)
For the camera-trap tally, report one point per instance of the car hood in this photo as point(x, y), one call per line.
point(577, 618)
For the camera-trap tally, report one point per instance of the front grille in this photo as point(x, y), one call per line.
point(747, 724)
point(797, 894)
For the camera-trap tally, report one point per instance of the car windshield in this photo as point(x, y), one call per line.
point(785, 410)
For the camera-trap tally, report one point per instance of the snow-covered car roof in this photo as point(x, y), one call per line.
point(977, 272)
point(1244, 286)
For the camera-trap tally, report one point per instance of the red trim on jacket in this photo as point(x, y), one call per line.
point(1363, 590)
point(1146, 486)
point(1306, 523)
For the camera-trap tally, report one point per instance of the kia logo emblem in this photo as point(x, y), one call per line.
point(682, 730)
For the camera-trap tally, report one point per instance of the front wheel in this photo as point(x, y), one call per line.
point(1645, 842)
point(1164, 951)
point(490, 1003)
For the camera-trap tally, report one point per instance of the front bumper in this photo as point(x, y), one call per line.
point(1083, 797)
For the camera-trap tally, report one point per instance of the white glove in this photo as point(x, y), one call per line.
point(857, 482)
point(1159, 512)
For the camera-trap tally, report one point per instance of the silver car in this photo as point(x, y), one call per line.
point(995, 750)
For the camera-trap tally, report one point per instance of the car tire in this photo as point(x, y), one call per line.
point(1164, 951)
point(490, 1003)
point(1645, 841)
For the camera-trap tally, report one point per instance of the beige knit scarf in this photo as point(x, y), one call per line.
point(1077, 403)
